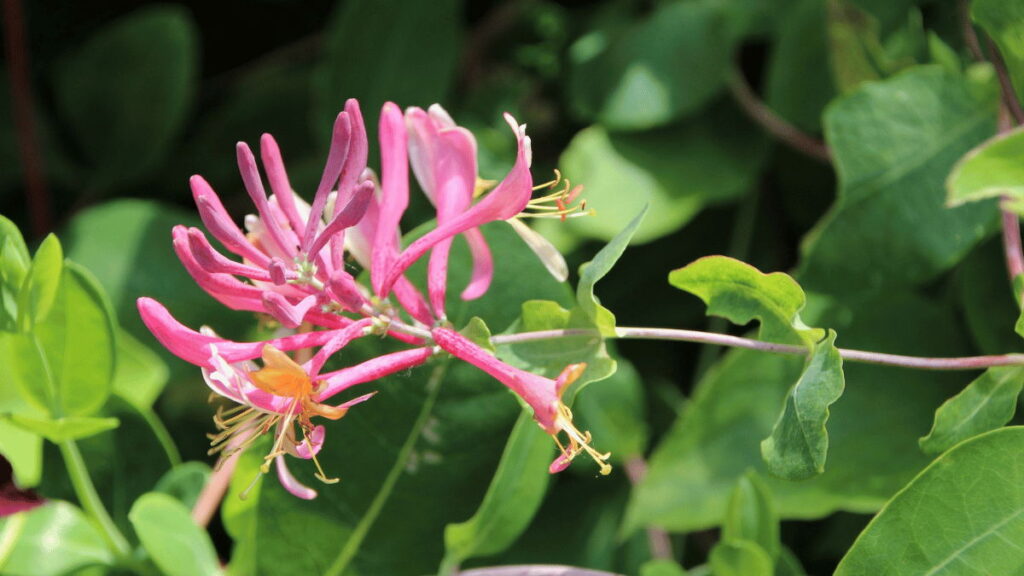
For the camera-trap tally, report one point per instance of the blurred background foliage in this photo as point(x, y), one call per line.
point(641, 101)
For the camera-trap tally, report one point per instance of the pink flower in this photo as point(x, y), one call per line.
point(544, 396)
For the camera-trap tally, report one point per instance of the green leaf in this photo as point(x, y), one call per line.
point(662, 567)
point(741, 293)
point(141, 374)
point(740, 558)
point(512, 499)
point(973, 496)
point(893, 143)
point(53, 540)
point(873, 429)
point(798, 443)
point(854, 45)
point(990, 170)
point(477, 331)
point(24, 450)
point(78, 340)
point(39, 287)
point(679, 170)
point(67, 428)
point(1004, 22)
point(986, 404)
point(409, 54)
point(613, 410)
point(126, 92)
point(176, 545)
point(590, 272)
point(750, 515)
point(184, 482)
point(799, 83)
point(24, 363)
point(665, 66)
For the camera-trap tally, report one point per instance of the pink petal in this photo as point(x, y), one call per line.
point(254, 186)
point(483, 265)
point(279, 184)
point(375, 369)
point(345, 291)
point(412, 301)
point(288, 314)
point(559, 464)
point(340, 340)
point(346, 217)
point(220, 224)
point(290, 483)
point(194, 347)
point(216, 263)
point(351, 172)
point(437, 276)
point(394, 195)
point(302, 450)
point(227, 289)
point(340, 139)
point(539, 392)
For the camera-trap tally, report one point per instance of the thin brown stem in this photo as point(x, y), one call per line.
point(774, 124)
point(658, 539)
point(23, 109)
point(970, 36)
point(1009, 95)
point(863, 356)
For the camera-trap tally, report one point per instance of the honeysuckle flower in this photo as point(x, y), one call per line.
point(543, 395)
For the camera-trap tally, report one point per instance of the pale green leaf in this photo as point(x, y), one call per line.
point(993, 169)
point(986, 404)
point(39, 288)
point(964, 514)
point(751, 516)
point(141, 374)
point(67, 428)
point(662, 567)
point(184, 482)
point(591, 272)
point(174, 542)
point(798, 444)
point(53, 540)
point(740, 558)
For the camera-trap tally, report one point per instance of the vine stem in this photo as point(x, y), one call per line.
point(863, 356)
point(774, 124)
point(90, 500)
point(658, 540)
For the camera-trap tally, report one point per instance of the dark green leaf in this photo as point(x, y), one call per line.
point(52, 540)
point(1003, 20)
point(986, 404)
point(175, 544)
point(799, 82)
point(893, 143)
point(515, 494)
point(751, 516)
point(590, 272)
point(126, 92)
point(66, 428)
point(973, 496)
point(39, 288)
point(798, 443)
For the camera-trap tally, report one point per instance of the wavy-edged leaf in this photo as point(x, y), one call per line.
point(986, 404)
point(591, 272)
point(798, 444)
point(972, 495)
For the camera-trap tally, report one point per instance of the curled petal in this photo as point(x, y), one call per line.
point(340, 139)
point(374, 369)
point(290, 483)
point(216, 263)
point(288, 314)
point(315, 439)
point(279, 184)
point(254, 186)
point(483, 265)
point(394, 194)
point(220, 224)
point(279, 272)
point(545, 251)
point(340, 340)
point(348, 216)
point(345, 290)
point(227, 289)
point(194, 347)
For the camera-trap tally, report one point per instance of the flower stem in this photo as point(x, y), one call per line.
point(863, 356)
point(90, 500)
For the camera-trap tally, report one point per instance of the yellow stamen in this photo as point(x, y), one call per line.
point(320, 475)
point(579, 441)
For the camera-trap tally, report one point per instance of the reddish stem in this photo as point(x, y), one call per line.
point(15, 47)
point(658, 539)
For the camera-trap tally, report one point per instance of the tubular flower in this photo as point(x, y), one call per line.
point(544, 396)
point(291, 261)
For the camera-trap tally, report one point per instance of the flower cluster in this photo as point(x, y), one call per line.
point(292, 267)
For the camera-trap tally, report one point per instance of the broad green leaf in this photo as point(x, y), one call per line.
point(678, 170)
point(750, 515)
point(740, 558)
point(590, 272)
point(893, 143)
point(613, 410)
point(24, 450)
point(964, 514)
point(39, 288)
point(62, 429)
point(799, 83)
point(1003, 20)
point(424, 448)
point(991, 170)
point(873, 429)
point(397, 50)
point(126, 92)
point(986, 404)
point(662, 567)
point(798, 443)
point(24, 363)
point(184, 482)
point(141, 374)
point(53, 540)
point(512, 499)
point(78, 339)
point(741, 293)
point(665, 66)
point(175, 544)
